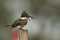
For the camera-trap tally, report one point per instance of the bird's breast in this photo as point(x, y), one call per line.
point(23, 22)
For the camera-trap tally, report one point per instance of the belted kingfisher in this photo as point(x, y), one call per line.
point(20, 23)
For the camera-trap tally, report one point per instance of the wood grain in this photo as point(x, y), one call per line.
point(19, 34)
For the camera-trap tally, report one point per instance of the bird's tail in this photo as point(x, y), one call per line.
point(8, 25)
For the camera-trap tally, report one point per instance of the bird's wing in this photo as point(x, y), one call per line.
point(16, 23)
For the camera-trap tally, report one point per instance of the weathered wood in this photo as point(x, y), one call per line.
point(14, 34)
point(20, 34)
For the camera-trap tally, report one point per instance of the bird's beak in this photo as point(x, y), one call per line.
point(32, 17)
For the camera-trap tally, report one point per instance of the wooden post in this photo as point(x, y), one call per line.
point(19, 34)
point(14, 34)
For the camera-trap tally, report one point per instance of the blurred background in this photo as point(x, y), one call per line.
point(45, 26)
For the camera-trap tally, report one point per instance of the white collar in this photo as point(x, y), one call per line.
point(23, 18)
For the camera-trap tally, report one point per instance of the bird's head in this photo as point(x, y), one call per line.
point(25, 15)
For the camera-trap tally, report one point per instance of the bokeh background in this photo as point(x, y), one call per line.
point(45, 26)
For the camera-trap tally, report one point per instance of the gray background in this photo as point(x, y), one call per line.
point(45, 26)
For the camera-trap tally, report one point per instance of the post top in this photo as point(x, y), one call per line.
point(20, 29)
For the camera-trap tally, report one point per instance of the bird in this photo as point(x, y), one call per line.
point(22, 21)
